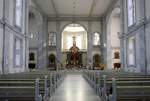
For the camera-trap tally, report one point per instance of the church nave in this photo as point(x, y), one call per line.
point(74, 50)
point(75, 88)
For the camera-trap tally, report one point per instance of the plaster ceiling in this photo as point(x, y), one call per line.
point(68, 8)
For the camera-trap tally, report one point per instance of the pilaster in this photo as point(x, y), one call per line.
point(58, 44)
point(90, 45)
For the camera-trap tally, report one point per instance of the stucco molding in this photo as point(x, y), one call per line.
point(72, 18)
point(14, 29)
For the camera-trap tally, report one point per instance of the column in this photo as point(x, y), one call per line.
point(40, 42)
point(142, 55)
point(26, 34)
point(45, 42)
point(58, 44)
point(90, 46)
point(121, 36)
point(3, 37)
point(103, 41)
point(122, 48)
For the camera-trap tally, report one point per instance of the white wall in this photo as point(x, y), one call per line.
point(137, 30)
point(11, 32)
point(52, 27)
point(148, 35)
point(113, 41)
point(33, 29)
point(114, 29)
point(96, 27)
point(148, 47)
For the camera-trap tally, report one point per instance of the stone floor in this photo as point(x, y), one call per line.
point(75, 88)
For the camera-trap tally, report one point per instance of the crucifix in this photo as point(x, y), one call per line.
point(74, 40)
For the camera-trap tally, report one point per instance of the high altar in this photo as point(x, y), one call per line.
point(74, 57)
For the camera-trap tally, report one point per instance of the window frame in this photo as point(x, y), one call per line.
point(21, 17)
point(134, 52)
point(133, 11)
point(52, 35)
point(99, 43)
point(20, 52)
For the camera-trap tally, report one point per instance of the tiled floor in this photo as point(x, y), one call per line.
point(74, 88)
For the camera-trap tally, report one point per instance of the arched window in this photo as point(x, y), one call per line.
point(74, 33)
point(31, 57)
point(52, 39)
point(96, 39)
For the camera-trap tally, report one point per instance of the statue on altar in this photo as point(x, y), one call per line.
point(74, 52)
point(74, 57)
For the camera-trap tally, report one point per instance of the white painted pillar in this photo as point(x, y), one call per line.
point(90, 46)
point(58, 44)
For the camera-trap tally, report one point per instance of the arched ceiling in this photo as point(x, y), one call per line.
point(70, 8)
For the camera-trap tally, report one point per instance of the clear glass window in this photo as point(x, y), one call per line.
point(18, 13)
point(131, 51)
point(96, 39)
point(131, 12)
point(17, 52)
point(52, 39)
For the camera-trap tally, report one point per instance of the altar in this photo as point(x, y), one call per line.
point(74, 56)
point(74, 60)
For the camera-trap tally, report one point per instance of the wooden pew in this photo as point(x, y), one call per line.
point(27, 78)
point(130, 92)
point(126, 80)
point(116, 75)
point(22, 92)
point(95, 78)
point(43, 86)
point(48, 81)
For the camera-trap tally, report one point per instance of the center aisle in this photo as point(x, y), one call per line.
point(75, 88)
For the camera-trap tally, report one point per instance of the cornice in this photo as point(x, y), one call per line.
point(74, 19)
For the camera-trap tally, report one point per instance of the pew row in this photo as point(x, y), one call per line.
point(102, 84)
point(129, 92)
point(48, 83)
point(106, 88)
point(20, 93)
